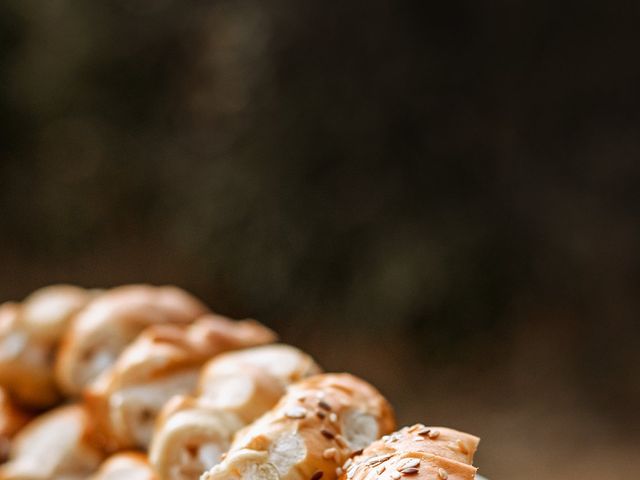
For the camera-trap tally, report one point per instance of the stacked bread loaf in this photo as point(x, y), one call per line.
point(145, 383)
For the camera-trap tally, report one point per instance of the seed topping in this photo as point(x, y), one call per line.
point(408, 463)
point(462, 447)
point(327, 434)
point(296, 413)
point(409, 471)
point(329, 453)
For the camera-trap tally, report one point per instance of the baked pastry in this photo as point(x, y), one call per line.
point(234, 389)
point(125, 466)
point(310, 433)
point(12, 419)
point(53, 446)
point(101, 331)
point(416, 452)
point(163, 361)
point(30, 333)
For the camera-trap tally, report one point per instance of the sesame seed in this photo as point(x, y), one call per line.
point(461, 446)
point(333, 417)
point(442, 473)
point(348, 463)
point(409, 471)
point(339, 472)
point(378, 460)
point(380, 469)
point(329, 453)
point(327, 434)
point(433, 434)
point(321, 415)
point(395, 475)
point(418, 438)
point(409, 463)
point(296, 413)
point(324, 405)
point(318, 475)
point(424, 431)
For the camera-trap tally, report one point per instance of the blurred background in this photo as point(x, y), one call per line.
point(443, 198)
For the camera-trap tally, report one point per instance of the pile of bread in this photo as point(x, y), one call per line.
point(141, 382)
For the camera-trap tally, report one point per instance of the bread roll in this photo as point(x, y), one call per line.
point(234, 389)
point(30, 334)
point(312, 430)
point(125, 466)
point(416, 453)
point(12, 419)
point(163, 361)
point(101, 331)
point(53, 446)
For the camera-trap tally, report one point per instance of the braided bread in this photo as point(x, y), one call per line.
point(309, 434)
point(30, 333)
point(104, 328)
point(163, 361)
point(234, 389)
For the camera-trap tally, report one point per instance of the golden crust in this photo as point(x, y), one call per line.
point(416, 453)
point(312, 430)
point(103, 329)
point(163, 361)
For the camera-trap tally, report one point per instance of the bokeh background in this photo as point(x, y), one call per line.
point(442, 197)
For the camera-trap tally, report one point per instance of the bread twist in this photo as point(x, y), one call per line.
point(163, 361)
point(30, 333)
point(309, 434)
point(234, 389)
point(110, 322)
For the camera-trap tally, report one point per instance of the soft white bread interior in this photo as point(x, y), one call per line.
point(12, 419)
point(163, 361)
point(125, 466)
point(416, 452)
point(103, 329)
point(30, 333)
point(53, 446)
point(313, 429)
point(234, 389)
